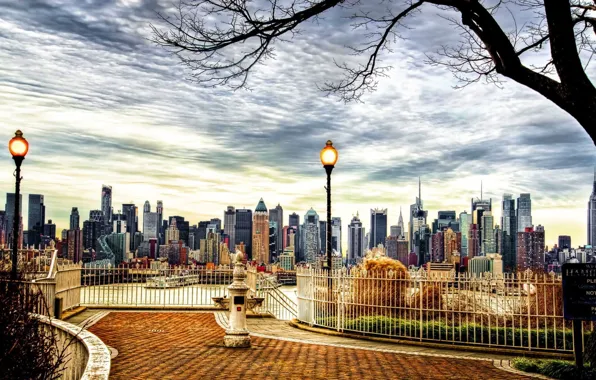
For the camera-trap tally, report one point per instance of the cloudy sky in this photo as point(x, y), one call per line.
point(99, 103)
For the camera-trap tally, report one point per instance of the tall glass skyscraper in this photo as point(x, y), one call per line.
point(355, 241)
point(243, 229)
point(465, 220)
point(36, 219)
point(509, 233)
point(524, 212)
point(230, 227)
point(106, 207)
point(74, 219)
point(378, 227)
point(132, 220)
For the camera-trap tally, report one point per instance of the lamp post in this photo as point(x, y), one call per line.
point(18, 148)
point(329, 157)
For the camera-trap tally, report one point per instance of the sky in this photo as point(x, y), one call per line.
point(101, 104)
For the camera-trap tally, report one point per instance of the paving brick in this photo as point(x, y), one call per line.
point(190, 346)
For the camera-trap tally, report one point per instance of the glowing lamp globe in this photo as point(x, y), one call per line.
point(329, 154)
point(18, 146)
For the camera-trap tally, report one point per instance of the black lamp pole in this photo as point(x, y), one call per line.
point(17, 217)
point(328, 169)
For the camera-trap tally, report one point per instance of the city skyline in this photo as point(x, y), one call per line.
point(129, 118)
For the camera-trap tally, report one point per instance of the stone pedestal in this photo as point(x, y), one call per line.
point(237, 334)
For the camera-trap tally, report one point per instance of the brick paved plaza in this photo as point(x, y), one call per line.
point(169, 345)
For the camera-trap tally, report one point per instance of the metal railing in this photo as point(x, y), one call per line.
point(171, 287)
point(275, 302)
point(522, 311)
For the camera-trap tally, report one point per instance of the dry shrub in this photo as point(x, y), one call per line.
point(431, 298)
point(379, 287)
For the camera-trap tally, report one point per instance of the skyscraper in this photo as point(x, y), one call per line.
point(564, 241)
point(488, 244)
point(378, 227)
point(310, 236)
point(400, 225)
point(277, 215)
point(465, 220)
point(106, 207)
point(146, 207)
point(75, 219)
point(473, 241)
point(75, 245)
point(419, 233)
point(524, 212)
point(260, 234)
point(323, 237)
point(592, 214)
point(36, 220)
point(91, 232)
point(132, 220)
point(294, 221)
point(243, 229)
point(150, 225)
point(159, 210)
point(172, 233)
point(9, 215)
point(184, 227)
point(509, 233)
point(530, 248)
point(49, 229)
point(444, 220)
point(479, 206)
point(336, 234)
point(355, 241)
point(230, 227)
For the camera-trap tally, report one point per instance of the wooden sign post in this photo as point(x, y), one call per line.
point(579, 302)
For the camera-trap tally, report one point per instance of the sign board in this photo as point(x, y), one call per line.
point(238, 300)
point(579, 291)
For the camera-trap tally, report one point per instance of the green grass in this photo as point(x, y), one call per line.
point(464, 333)
point(557, 369)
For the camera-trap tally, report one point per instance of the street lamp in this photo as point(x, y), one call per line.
point(18, 148)
point(328, 159)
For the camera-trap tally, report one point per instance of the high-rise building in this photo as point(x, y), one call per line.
point(323, 237)
point(446, 219)
point(310, 236)
point(172, 233)
point(75, 219)
point(419, 233)
point(592, 214)
point(273, 233)
point(150, 225)
point(91, 232)
point(564, 241)
point(391, 246)
point(9, 216)
point(479, 207)
point(378, 227)
point(230, 226)
point(488, 244)
point(260, 234)
point(336, 234)
point(159, 210)
point(216, 223)
point(437, 252)
point(132, 221)
point(75, 245)
point(294, 221)
point(277, 215)
point(524, 212)
point(473, 241)
point(106, 207)
point(509, 233)
point(37, 218)
point(498, 238)
point(119, 224)
point(401, 231)
point(49, 229)
point(184, 228)
point(356, 244)
point(452, 246)
point(244, 229)
point(146, 207)
point(530, 249)
point(465, 220)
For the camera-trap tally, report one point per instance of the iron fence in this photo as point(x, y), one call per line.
point(522, 311)
point(275, 301)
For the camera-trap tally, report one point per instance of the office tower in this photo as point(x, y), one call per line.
point(183, 227)
point(136, 241)
point(509, 233)
point(355, 241)
point(106, 207)
point(391, 246)
point(465, 220)
point(49, 229)
point(479, 207)
point(323, 237)
point(336, 235)
point(96, 215)
point(216, 222)
point(592, 214)
point(419, 233)
point(118, 223)
point(36, 220)
point(74, 219)
point(132, 221)
point(260, 234)
point(437, 251)
point(498, 238)
point(172, 233)
point(452, 246)
point(445, 219)
point(146, 207)
point(310, 236)
point(402, 250)
point(159, 210)
point(277, 215)
point(564, 242)
point(524, 212)
point(488, 244)
point(473, 241)
point(230, 226)
point(9, 214)
point(378, 227)
point(273, 233)
point(91, 232)
point(75, 245)
point(201, 232)
point(394, 230)
point(151, 225)
point(400, 225)
point(244, 230)
point(294, 221)
point(530, 249)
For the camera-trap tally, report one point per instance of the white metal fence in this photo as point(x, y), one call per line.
point(519, 311)
point(275, 302)
point(168, 288)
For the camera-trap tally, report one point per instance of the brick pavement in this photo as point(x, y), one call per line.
point(189, 346)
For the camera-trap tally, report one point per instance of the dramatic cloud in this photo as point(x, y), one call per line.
point(100, 104)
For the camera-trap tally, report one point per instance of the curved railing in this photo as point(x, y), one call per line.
point(87, 356)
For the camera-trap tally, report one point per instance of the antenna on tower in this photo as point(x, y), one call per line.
point(419, 191)
point(480, 189)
